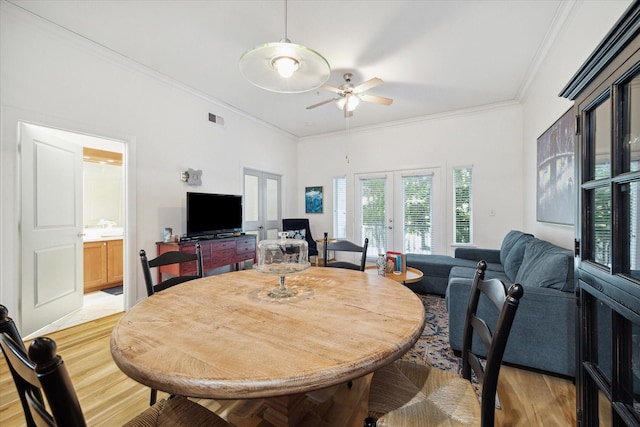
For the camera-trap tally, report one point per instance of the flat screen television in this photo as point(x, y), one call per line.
point(213, 214)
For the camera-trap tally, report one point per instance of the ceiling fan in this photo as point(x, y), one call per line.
point(349, 96)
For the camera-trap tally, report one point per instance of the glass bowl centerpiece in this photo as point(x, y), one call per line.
point(282, 257)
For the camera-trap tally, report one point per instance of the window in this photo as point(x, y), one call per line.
point(462, 206)
point(340, 207)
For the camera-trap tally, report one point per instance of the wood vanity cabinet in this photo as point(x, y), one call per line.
point(103, 266)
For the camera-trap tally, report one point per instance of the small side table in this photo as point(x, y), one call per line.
point(411, 276)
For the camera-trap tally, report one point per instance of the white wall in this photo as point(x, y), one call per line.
point(54, 78)
point(586, 26)
point(489, 139)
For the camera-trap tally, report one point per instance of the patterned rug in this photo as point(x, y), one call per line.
point(432, 348)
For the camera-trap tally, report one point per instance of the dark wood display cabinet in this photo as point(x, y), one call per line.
point(606, 91)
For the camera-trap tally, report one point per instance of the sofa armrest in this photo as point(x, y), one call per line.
point(478, 254)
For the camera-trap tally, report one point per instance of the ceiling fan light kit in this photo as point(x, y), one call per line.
point(284, 66)
point(349, 96)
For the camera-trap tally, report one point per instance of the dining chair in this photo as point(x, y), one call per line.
point(8, 327)
point(41, 372)
point(298, 228)
point(344, 246)
point(405, 393)
point(169, 258)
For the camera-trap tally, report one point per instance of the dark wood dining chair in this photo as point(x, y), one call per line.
point(344, 246)
point(40, 371)
point(8, 327)
point(405, 393)
point(169, 258)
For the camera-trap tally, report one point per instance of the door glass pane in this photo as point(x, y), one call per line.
point(251, 201)
point(272, 200)
point(600, 131)
point(601, 225)
point(631, 119)
point(635, 368)
point(604, 410)
point(417, 204)
point(372, 197)
point(603, 339)
point(632, 207)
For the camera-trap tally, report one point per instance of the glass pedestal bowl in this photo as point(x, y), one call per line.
point(282, 257)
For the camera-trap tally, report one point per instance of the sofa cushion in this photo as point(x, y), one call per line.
point(546, 265)
point(513, 259)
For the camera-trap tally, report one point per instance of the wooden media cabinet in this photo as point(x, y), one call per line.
point(215, 253)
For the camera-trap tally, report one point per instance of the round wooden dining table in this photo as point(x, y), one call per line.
point(225, 337)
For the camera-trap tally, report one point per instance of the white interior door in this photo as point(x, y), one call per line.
point(51, 227)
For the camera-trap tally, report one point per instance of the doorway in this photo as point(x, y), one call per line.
point(53, 286)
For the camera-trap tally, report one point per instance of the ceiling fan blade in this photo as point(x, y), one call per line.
point(332, 89)
point(322, 103)
point(371, 83)
point(376, 99)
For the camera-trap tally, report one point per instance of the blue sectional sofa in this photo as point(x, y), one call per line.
point(543, 336)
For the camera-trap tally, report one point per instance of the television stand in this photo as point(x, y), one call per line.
point(216, 252)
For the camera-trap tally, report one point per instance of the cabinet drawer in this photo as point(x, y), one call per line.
point(225, 244)
point(223, 257)
point(246, 252)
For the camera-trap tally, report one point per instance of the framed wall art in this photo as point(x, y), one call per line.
point(313, 199)
point(556, 173)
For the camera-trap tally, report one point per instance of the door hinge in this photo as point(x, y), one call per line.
point(577, 125)
point(576, 247)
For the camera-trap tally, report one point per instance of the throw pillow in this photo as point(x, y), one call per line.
point(297, 234)
point(545, 265)
point(513, 260)
point(507, 243)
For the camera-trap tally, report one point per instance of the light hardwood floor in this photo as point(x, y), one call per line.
point(109, 398)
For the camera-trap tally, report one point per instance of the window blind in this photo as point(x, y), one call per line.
point(462, 206)
point(372, 198)
point(417, 235)
point(340, 207)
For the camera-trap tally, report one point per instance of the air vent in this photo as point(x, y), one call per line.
point(216, 119)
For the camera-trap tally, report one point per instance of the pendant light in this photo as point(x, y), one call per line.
point(284, 66)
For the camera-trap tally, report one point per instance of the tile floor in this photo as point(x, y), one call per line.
point(96, 305)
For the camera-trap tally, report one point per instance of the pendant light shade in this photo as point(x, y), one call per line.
point(284, 66)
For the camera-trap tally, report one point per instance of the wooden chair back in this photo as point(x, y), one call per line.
point(43, 370)
point(505, 303)
point(8, 327)
point(345, 246)
point(169, 258)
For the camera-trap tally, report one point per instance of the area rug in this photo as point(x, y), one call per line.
point(432, 348)
point(116, 290)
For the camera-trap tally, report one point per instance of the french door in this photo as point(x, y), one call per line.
point(397, 211)
point(261, 204)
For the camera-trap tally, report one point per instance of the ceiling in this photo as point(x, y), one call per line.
point(434, 56)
